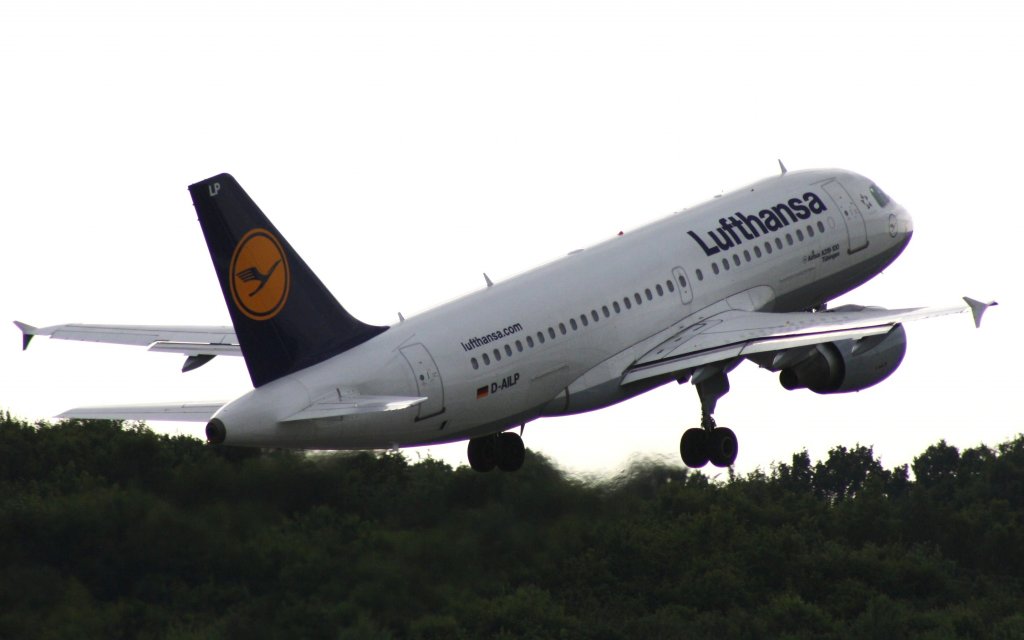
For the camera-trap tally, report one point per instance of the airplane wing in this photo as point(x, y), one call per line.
point(329, 407)
point(183, 411)
point(733, 334)
point(199, 343)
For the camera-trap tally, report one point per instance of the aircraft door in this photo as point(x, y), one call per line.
point(681, 281)
point(856, 227)
point(428, 380)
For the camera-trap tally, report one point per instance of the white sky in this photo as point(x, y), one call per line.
point(406, 147)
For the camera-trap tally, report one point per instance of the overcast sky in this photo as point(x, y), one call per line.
point(406, 147)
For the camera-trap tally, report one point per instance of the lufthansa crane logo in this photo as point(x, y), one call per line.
point(260, 277)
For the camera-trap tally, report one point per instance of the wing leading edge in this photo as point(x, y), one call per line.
point(733, 334)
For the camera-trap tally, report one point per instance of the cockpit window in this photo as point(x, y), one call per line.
point(880, 196)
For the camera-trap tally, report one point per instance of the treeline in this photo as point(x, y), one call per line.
point(111, 531)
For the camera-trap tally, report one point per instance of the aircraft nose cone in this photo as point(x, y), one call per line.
point(215, 431)
point(901, 226)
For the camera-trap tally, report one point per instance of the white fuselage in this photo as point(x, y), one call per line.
point(557, 339)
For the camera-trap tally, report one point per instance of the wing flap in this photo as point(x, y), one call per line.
point(176, 411)
point(196, 348)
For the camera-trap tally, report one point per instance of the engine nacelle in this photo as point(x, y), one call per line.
point(848, 365)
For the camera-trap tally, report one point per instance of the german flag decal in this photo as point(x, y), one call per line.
point(481, 392)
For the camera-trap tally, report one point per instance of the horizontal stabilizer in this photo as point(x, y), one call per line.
point(336, 405)
point(176, 411)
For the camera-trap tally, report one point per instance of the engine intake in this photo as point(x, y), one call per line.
point(847, 365)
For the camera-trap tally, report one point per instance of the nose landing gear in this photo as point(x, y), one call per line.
point(709, 443)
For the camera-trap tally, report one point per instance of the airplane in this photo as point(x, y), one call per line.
point(745, 276)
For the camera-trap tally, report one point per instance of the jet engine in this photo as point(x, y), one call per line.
point(845, 365)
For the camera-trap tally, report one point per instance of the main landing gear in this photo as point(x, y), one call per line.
point(503, 450)
point(709, 443)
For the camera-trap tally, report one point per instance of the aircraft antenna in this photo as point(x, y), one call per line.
point(782, 166)
point(488, 281)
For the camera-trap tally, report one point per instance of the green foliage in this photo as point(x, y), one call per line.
point(108, 530)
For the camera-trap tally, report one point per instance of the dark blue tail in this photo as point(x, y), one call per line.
point(284, 317)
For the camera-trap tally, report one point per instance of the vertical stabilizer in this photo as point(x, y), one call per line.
point(284, 317)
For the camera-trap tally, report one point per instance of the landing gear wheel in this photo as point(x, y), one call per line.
point(482, 453)
point(693, 447)
point(510, 451)
point(722, 447)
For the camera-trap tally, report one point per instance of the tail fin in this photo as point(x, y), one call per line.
point(284, 317)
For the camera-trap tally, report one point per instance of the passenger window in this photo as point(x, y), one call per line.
point(540, 336)
point(700, 275)
point(799, 235)
point(476, 365)
point(605, 311)
point(789, 238)
point(551, 332)
point(650, 296)
point(821, 226)
point(639, 300)
point(746, 255)
point(757, 252)
point(671, 287)
point(487, 360)
point(725, 263)
point(519, 346)
point(810, 231)
point(625, 301)
point(736, 259)
point(508, 350)
point(529, 340)
point(682, 281)
point(561, 327)
point(660, 290)
point(778, 243)
point(572, 323)
point(714, 267)
point(583, 319)
point(615, 305)
point(593, 314)
point(497, 356)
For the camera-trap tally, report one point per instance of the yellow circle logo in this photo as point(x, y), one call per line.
point(259, 277)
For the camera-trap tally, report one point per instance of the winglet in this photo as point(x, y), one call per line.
point(27, 333)
point(978, 309)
